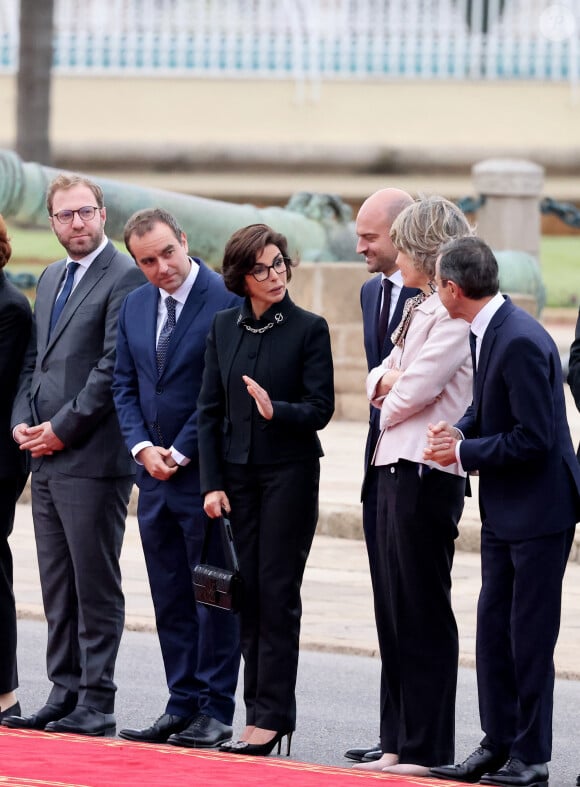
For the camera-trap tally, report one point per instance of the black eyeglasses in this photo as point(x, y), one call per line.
point(67, 216)
point(261, 272)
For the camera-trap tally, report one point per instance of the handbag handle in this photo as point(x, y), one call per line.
point(229, 538)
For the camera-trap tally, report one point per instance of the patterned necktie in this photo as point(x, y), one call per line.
point(63, 295)
point(166, 331)
point(385, 309)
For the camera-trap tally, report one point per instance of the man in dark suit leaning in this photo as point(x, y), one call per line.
point(82, 474)
point(516, 435)
point(160, 357)
point(382, 299)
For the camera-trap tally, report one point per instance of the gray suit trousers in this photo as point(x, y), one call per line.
point(79, 525)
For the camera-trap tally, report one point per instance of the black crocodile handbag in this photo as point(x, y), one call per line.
point(214, 586)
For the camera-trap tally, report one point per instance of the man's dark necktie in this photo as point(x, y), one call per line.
point(166, 331)
point(63, 295)
point(473, 345)
point(385, 310)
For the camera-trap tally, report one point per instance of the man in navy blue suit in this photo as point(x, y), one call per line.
point(574, 376)
point(160, 357)
point(382, 299)
point(515, 433)
point(574, 383)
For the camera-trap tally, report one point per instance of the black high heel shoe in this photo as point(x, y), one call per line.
point(262, 749)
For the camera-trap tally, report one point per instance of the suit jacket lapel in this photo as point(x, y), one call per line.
point(93, 275)
point(43, 327)
point(149, 326)
point(191, 308)
point(486, 349)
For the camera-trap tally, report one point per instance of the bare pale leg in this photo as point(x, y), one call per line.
point(7, 700)
point(259, 736)
point(387, 760)
point(407, 769)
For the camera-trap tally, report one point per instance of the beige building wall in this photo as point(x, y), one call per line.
point(449, 117)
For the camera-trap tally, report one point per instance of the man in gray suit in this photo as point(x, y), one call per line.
point(82, 473)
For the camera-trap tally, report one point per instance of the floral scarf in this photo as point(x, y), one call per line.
point(400, 332)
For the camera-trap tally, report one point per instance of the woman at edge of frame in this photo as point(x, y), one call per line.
point(15, 328)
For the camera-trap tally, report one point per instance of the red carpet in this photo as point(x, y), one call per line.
point(41, 759)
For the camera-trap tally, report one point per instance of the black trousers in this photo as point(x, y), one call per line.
point(274, 515)
point(416, 529)
point(10, 489)
point(518, 620)
point(369, 509)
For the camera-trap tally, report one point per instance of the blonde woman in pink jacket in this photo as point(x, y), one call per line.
point(426, 378)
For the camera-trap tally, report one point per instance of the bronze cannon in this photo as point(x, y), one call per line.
point(319, 227)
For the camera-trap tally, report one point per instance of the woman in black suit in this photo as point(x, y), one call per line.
point(15, 322)
point(267, 389)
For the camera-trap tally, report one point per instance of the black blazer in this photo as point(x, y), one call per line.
point(288, 353)
point(15, 326)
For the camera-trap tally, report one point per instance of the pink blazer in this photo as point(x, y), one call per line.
point(436, 384)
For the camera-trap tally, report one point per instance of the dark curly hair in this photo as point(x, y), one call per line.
point(5, 247)
point(241, 252)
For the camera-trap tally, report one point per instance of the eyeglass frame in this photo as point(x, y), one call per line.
point(268, 268)
point(58, 216)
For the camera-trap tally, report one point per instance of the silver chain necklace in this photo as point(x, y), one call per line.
point(279, 317)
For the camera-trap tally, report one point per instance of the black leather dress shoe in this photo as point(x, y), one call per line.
point(204, 732)
point(358, 754)
point(516, 773)
point(84, 721)
point(159, 731)
point(472, 768)
point(39, 720)
point(13, 710)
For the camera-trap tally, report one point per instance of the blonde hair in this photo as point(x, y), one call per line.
point(422, 228)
